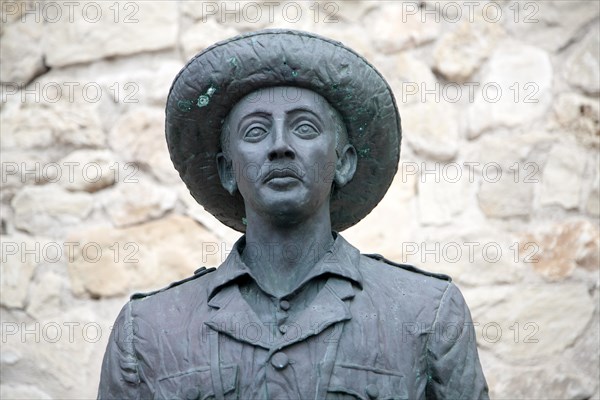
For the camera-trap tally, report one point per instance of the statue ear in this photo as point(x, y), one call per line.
point(225, 167)
point(345, 166)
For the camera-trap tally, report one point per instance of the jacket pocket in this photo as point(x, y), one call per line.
point(351, 381)
point(196, 384)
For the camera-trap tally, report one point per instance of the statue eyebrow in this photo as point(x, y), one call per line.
point(304, 109)
point(253, 114)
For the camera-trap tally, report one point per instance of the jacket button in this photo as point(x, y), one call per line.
point(280, 360)
point(192, 394)
point(283, 329)
point(372, 391)
point(284, 305)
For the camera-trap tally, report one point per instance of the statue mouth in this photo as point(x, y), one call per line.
point(286, 173)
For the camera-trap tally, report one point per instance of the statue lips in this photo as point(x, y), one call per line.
point(282, 177)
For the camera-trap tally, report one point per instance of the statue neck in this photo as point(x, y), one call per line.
point(281, 255)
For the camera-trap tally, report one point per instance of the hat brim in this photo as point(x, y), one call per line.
point(211, 83)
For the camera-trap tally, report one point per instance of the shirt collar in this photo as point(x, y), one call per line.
point(341, 260)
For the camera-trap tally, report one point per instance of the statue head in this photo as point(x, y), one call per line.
point(275, 71)
point(285, 149)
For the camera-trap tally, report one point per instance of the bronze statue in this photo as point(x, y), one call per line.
point(290, 137)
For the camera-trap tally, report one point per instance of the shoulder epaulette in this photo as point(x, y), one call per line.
point(407, 267)
point(197, 274)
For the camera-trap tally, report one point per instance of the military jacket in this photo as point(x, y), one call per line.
point(371, 329)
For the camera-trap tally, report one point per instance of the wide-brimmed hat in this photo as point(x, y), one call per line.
point(212, 82)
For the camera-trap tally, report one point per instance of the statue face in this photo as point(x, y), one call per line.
point(281, 152)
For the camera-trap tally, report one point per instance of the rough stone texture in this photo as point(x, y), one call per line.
point(553, 380)
point(593, 201)
point(198, 213)
point(551, 25)
point(408, 77)
point(561, 180)
point(436, 138)
point(60, 353)
point(17, 269)
point(64, 122)
point(580, 116)
point(49, 210)
point(395, 28)
point(581, 68)
point(47, 297)
point(112, 262)
point(88, 170)
point(505, 197)
point(392, 222)
point(139, 137)
point(110, 30)
point(202, 35)
point(512, 63)
point(431, 191)
point(135, 202)
point(460, 52)
point(550, 147)
point(18, 392)
point(21, 42)
point(539, 333)
point(558, 249)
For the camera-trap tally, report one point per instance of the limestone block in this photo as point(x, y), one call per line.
point(505, 197)
point(550, 25)
point(515, 88)
point(88, 170)
point(393, 222)
point(110, 29)
point(561, 180)
point(354, 36)
point(461, 51)
point(526, 322)
point(554, 379)
point(556, 250)
point(39, 122)
point(10, 391)
point(411, 79)
point(581, 68)
point(516, 154)
point(198, 213)
point(135, 202)
point(139, 136)
point(48, 210)
point(344, 12)
point(241, 16)
point(17, 269)
point(475, 257)
point(432, 130)
point(22, 57)
point(580, 116)
point(394, 27)
point(143, 257)
point(61, 354)
point(593, 202)
point(20, 168)
point(441, 200)
point(45, 297)
point(203, 34)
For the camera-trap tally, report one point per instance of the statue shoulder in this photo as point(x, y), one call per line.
point(408, 268)
point(200, 272)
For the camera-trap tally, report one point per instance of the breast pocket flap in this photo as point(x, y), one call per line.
point(367, 383)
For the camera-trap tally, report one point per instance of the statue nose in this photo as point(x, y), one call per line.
point(281, 147)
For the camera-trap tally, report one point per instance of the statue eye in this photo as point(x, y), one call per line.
point(306, 131)
point(255, 133)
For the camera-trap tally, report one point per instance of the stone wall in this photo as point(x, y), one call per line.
point(498, 182)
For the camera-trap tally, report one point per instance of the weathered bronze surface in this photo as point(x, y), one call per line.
point(295, 311)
